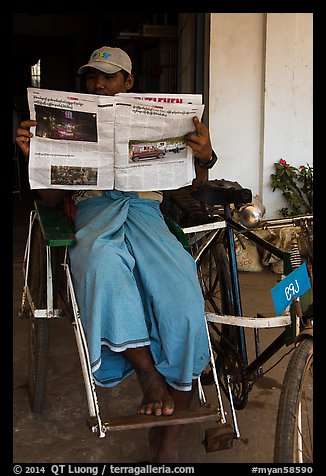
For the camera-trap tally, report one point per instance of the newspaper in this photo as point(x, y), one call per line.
point(127, 142)
point(165, 98)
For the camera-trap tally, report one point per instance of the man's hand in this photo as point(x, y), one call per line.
point(200, 141)
point(23, 136)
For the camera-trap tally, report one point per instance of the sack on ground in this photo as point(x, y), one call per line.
point(247, 255)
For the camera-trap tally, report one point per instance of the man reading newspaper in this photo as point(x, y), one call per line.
point(140, 301)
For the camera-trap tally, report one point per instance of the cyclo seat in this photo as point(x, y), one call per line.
point(222, 192)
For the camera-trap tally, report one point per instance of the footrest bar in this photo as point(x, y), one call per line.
point(130, 422)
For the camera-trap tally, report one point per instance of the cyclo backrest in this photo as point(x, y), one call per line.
point(57, 228)
point(222, 192)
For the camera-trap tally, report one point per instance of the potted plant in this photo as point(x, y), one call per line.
point(296, 185)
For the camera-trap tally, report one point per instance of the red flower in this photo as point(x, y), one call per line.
point(282, 161)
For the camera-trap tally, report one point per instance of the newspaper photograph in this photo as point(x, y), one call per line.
point(85, 141)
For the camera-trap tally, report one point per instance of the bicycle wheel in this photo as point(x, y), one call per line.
point(38, 346)
point(215, 279)
point(294, 426)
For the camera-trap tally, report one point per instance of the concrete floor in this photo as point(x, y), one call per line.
point(61, 435)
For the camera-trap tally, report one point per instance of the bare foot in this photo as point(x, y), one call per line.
point(163, 444)
point(157, 399)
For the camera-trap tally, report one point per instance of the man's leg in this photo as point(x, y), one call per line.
point(164, 440)
point(156, 397)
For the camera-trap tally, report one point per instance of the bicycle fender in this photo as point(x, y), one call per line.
point(307, 332)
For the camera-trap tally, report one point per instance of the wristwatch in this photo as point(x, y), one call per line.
point(209, 164)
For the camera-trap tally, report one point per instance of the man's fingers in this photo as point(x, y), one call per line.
point(23, 136)
point(23, 133)
point(21, 139)
point(23, 129)
point(27, 123)
point(193, 138)
point(200, 134)
point(200, 128)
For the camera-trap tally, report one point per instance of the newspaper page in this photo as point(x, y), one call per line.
point(150, 148)
point(85, 141)
point(73, 143)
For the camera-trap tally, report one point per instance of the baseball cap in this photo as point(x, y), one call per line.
point(108, 60)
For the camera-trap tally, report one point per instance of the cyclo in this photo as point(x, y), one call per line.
point(206, 229)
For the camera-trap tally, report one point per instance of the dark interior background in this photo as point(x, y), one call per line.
point(169, 52)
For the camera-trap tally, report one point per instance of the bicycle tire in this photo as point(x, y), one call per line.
point(39, 328)
point(295, 403)
point(217, 291)
point(215, 279)
point(210, 282)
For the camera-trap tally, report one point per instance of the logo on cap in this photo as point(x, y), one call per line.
point(101, 54)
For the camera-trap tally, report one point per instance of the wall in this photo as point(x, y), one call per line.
point(260, 97)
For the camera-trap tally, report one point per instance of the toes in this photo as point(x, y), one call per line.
point(157, 408)
point(168, 409)
point(151, 409)
point(146, 409)
point(168, 406)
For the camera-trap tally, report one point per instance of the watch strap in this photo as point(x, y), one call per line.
point(209, 164)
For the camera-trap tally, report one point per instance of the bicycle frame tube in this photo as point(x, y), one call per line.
point(259, 241)
point(235, 284)
point(271, 350)
point(285, 256)
point(281, 340)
